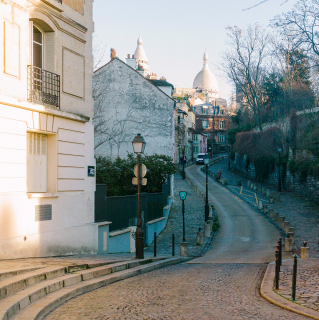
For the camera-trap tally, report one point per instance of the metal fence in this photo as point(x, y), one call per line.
point(122, 211)
point(43, 86)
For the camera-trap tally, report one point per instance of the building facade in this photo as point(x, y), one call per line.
point(128, 103)
point(46, 134)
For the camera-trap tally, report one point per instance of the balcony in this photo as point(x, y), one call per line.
point(43, 87)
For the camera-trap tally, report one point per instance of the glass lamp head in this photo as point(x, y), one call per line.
point(138, 144)
point(279, 149)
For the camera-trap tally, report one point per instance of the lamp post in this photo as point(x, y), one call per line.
point(183, 195)
point(206, 161)
point(183, 163)
point(138, 147)
point(279, 177)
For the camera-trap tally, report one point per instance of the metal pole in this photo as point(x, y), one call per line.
point(294, 278)
point(276, 269)
point(183, 210)
point(154, 244)
point(173, 244)
point(206, 204)
point(279, 177)
point(183, 172)
point(139, 242)
point(280, 252)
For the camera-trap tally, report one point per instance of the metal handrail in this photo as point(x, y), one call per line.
point(43, 86)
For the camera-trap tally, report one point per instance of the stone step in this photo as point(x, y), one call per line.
point(21, 281)
point(16, 271)
point(43, 306)
point(11, 305)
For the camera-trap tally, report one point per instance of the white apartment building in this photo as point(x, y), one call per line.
point(47, 161)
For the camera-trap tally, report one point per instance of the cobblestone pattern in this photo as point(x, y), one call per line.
point(301, 213)
point(307, 292)
point(200, 291)
point(194, 218)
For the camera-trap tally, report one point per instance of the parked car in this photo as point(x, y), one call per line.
point(200, 158)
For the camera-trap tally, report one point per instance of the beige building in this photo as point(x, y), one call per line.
point(46, 133)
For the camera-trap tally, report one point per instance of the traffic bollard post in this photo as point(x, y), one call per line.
point(294, 279)
point(154, 244)
point(280, 252)
point(173, 244)
point(276, 269)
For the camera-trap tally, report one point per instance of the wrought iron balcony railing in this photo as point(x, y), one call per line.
point(43, 86)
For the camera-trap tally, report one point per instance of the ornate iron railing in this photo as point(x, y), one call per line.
point(43, 86)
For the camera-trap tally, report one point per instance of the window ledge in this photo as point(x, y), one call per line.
point(41, 195)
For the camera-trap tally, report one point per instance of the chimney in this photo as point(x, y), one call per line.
point(131, 61)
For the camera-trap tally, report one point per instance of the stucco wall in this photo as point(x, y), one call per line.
point(69, 131)
point(131, 105)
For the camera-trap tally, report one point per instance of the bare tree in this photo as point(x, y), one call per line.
point(245, 64)
point(301, 25)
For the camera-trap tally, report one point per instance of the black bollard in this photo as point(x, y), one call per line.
point(294, 279)
point(280, 252)
point(154, 244)
point(173, 244)
point(277, 269)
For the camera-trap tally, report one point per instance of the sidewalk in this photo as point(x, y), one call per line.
point(307, 290)
point(302, 214)
point(194, 219)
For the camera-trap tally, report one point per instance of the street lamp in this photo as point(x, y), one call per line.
point(206, 161)
point(138, 147)
point(279, 177)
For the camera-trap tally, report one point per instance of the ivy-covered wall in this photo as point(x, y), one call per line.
point(307, 187)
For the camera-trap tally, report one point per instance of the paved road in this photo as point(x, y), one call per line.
point(245, 236)
point(222, 285)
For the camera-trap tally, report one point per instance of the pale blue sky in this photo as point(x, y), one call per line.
point(175, 33)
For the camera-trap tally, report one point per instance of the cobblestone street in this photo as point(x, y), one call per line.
point(194, 218)
point(197, 291)
point(302, 214)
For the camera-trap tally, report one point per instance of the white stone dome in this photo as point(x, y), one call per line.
point(140, 55)
point(206, 80)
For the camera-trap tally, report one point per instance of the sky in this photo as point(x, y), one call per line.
point(175, 33)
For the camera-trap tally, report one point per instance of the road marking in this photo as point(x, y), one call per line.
point(241, 190)
point(256, 199)
point(237, 198)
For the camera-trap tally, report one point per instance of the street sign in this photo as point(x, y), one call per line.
point(144, 170)
point(91, 171)
point(183, 195)
point(143, 181)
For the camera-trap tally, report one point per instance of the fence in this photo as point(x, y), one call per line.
point(122, 211)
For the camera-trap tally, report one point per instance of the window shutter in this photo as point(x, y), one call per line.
point(49, 51)
point(36, 162)
point(30, 42)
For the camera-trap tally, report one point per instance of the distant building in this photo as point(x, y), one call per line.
point(212, 118)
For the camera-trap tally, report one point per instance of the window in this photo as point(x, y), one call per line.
point(179, 119)
point(36, 162)
point(222, 112)
point(222, 125)
point(195, 137)
point(221, 137)
point(195, 149)
point(37, 48)
point(205, 110)
point(205, 124)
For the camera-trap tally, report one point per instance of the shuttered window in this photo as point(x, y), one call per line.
point(37, 48)
point(36, 162)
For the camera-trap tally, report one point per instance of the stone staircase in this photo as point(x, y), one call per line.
point(31, 293)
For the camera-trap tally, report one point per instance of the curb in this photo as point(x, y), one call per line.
point(267, 292)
